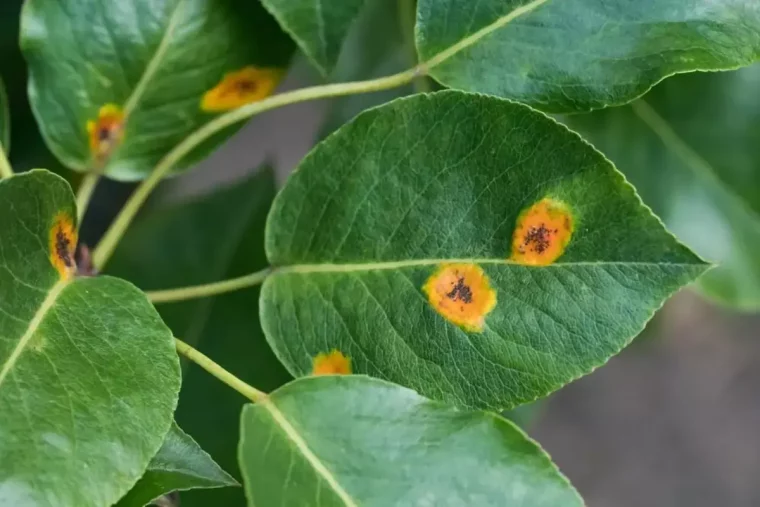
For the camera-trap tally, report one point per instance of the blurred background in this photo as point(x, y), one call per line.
point(674, 420)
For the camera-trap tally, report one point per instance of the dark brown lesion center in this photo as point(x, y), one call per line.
point(246, 85)
point(538, 238)
point(63, 248)
point(460, 291)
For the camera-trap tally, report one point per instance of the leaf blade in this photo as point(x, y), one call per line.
point(360, 230)
point(180, 464)
point(86, 399)
point(579, 55)
point(104, 79)
point(332, 419)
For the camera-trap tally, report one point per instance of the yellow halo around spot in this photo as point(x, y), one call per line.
point(62, 245)
point(249, 84)
point(331, 363)
point(462, 294)
point(106, 132)
point(543, 231)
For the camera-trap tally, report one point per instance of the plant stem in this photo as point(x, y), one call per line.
point(210, 289)
point(5, 166)
point(214, 369)
point(111, 238)
point(84, 193)
point(407, 14)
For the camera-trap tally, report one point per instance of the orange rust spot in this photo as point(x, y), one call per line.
point(106, 132)
point(249, 84)
point(331, 363)
point(462, 294)
point(62, 244)
point(542, 233)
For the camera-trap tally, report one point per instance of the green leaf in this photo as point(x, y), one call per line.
point(221, 236)
point(427, 191)
point(692, 147)
point(316, 441)
point(154, 61)
point(179, 465)
point(318, 27)
point(578, 55)
point(5, 120)
point(29, 150)
point(88, 372)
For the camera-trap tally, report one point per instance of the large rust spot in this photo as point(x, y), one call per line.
point(106, 132)
point(542, 233)
point(249, 84)
point(331, 363)
point(63, 242)
point(462, 294)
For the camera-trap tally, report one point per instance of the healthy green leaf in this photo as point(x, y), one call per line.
point(352, 440)
point(179, 465)
point(5, 120)
point(691, 147)
point(427, 192)
point(153, 61)
point(88, 372)
point(578, 55)
point(318, 27)
point(221, 236)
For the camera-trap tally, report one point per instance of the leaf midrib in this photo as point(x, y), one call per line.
point(390, 265)
point(34, 324)
point(292, 434)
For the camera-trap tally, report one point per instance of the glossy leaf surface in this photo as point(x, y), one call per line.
point(88, 372)
point(427, 192)
point(179, 465)
point(139, 71)
point(196, 241)
point(578, 55)
point(318, 27)
point(352, 440)
point(692, 147)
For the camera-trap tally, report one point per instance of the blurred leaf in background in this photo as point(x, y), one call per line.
point(202, 240)
point(692, 149)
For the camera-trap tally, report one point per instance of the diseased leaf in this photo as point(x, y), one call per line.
point(5, 120)
point(88, 372)
point(118, 84)
point(692, 147)
point(179, 465)
point(578, 55)
point(316, 441)
point(318, 27)
point(221, 236)
point(465, 246)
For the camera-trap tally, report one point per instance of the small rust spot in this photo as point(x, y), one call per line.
point(542, 233)
point(106, 132)
point(249, 84)
point(331, 363)
point(462, 294)
point(63, 240)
